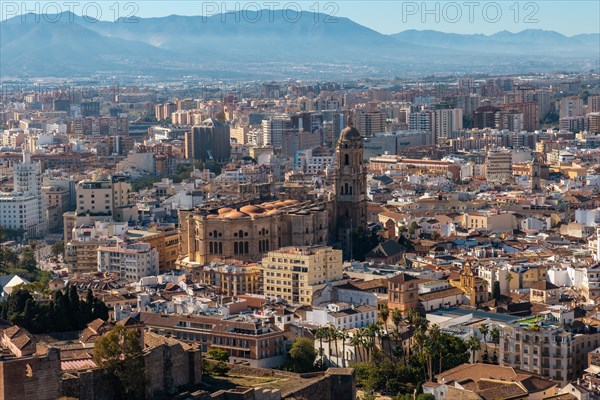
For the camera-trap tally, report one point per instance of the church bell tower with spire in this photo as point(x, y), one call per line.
point(350, 187)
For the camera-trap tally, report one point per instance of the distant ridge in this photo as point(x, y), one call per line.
point(182, 44)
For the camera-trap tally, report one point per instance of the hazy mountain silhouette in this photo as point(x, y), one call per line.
point(77, 46)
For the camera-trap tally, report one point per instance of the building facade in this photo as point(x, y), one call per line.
point(247, 233)
point(294, 274)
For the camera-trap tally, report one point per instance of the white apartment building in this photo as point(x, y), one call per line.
point(311, 161)
point(19, 212)
point(343, 315)
point(24, 209)
point(131, 261)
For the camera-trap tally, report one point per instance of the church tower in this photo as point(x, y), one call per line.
point(350, 186)
point(536, 171)
point(473, 286)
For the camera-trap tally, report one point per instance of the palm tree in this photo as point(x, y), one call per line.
point(434, 335)
point(398, 350)
point(396, 319)
point(331, 335)
point(495, 334)
point(428, 352)
point(356, 341)
point(384, 313)
point(484, 329)
point(343, 336)
point(320, 334)
point(473, 344)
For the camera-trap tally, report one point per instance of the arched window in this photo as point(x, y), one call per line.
point(351, 190)
point(220, 248)
point(346, 159)
point(210, 247)
point(346, 188)
point(235, 248)
point(246, 248)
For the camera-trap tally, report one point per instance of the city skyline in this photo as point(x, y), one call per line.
point(386, 17)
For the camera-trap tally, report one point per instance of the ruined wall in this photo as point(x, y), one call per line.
point(89, 385)
point(37, 377)
point(169, 367)
point(338, 383)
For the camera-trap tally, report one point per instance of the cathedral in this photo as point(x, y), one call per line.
point(246, 233)
point(350, 183)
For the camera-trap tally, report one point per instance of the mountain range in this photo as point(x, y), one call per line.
point(267, 48)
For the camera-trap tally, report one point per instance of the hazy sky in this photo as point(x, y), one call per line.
point(463, 16)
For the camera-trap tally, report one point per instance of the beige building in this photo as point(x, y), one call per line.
point(234, 278)
point(102, 197)
point(294, 274)
point(163, 238)
point(247, 233)
point(550, 351)
point(490, 221)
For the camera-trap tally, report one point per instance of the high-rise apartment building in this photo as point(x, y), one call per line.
point(294, 274)
point(275, 129)
point(531, 118)
point(370, 121)
point(571, 107)
point(420, 121)
point(164, 111)
point(208, 141)
point(24, 209)
point(511, 120)
point(498, 166)
point(593, 104)
point(446, 122)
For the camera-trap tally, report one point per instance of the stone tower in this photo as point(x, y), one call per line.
point(350, 187)
point(536, 170)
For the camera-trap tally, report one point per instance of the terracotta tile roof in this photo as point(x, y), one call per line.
point(440, 294)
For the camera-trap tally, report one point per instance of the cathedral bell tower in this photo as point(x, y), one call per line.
point(350, 187)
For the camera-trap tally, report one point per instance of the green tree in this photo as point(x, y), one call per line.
point(218, 354)
point(303, 355)
point(57, 249)
point(496, 290)
point(362, 242)
point(119, 354)
point(27, 261)
point(413, 228)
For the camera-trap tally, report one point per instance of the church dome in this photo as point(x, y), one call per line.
point(252, 210)
point(350, 133)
